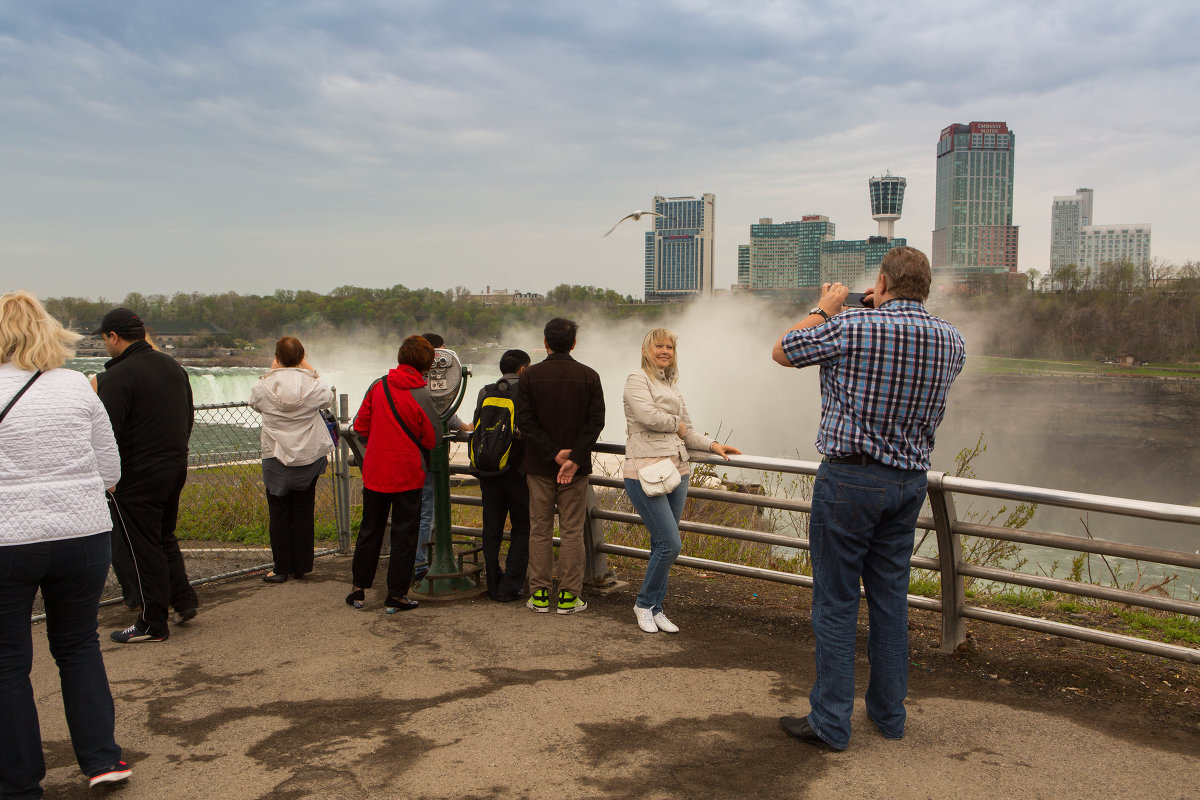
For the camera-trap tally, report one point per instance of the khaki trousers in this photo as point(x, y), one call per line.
point(545, 494)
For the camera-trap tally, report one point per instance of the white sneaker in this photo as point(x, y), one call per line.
point(664, 624)
point(645, 619)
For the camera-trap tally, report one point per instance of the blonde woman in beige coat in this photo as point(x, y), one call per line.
point(658, 428)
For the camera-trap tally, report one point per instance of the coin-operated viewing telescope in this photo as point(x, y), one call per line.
point(448, 576)
point(445, 378)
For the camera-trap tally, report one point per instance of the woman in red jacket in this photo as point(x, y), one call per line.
point(396, 417)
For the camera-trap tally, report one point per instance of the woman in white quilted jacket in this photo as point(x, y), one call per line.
point(295, 446)
point(57, 457)
point(659, 434)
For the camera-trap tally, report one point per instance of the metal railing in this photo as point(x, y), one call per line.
point(953, 603)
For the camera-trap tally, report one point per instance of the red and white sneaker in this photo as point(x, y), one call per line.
point(117, 772)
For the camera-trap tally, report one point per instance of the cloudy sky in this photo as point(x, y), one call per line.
point(248, 146)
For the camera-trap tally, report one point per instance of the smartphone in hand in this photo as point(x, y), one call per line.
point(856, 300)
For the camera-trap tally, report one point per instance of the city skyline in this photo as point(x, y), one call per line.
point(783, 257)
point(1076, 238)
point(247, 147)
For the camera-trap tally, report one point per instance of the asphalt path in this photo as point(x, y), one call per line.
point(282, 691)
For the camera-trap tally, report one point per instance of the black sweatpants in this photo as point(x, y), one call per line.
point(146, 509)
point(292, 530)
point(505, 495)
point(405, 511)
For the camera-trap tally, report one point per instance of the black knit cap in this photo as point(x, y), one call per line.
point(124, 323)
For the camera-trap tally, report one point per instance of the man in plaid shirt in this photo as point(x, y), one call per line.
point(885, 372)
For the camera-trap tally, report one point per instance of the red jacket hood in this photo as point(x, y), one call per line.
point(405, 377)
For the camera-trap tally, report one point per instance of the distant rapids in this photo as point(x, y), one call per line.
point(217, 385)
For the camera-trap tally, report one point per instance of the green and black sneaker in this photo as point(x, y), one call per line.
point(570, 603)
point(539, 601)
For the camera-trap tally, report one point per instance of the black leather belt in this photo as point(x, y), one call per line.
point(861, 459)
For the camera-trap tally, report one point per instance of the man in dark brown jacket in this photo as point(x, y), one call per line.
point(560, 413)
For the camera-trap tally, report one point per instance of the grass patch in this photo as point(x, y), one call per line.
point(1172, 627)
point(924, 584)
point(1023, 598)
point(229, 504)
point(1024, 366)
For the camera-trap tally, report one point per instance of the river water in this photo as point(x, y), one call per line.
point(1125, 437)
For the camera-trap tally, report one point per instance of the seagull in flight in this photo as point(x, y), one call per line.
point(635, 216)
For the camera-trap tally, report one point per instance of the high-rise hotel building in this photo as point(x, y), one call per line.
point(973, 210)
point(679, 249)
point(784, 256)
point(1074, 239)
point(1068, 215)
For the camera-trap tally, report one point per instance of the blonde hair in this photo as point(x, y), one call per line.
point(649, 365)
point(30, 337)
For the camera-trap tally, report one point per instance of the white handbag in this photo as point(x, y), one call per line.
point(659, 478)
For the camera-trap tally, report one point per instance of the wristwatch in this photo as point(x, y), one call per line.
point(818, 310)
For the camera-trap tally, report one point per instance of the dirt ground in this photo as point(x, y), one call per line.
point(1048, 670)
point(282, 691)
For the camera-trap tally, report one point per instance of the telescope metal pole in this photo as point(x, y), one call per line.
point(446, 579)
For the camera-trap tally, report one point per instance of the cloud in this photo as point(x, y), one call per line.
point(455, 135)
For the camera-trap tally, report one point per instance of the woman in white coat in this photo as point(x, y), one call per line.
point(295, 446)
point(57, 456)
point(658, 429)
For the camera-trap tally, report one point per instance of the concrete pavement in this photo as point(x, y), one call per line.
point(282, 691)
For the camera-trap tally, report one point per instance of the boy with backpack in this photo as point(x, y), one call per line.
point(496, 452)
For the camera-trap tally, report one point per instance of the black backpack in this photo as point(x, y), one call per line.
point(491, 444)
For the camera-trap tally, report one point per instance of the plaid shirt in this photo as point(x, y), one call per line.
point(884, 377)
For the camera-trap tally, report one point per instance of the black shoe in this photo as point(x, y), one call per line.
point(394, 604)
point(357, 598)
point(798, 728)
point(136, 633)
point(298, 576)
point(115, 774)
point(185, 614)
point(272, 577)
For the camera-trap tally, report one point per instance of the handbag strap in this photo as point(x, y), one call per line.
point(388, 394)
point(17, 396)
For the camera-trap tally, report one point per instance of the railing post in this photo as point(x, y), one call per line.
point(954, 627)
point(342, 476)
point(595, 566)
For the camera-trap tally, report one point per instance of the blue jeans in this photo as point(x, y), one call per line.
point(426, 528)
point(71, 574)
point(862, 525)
point(661, 517)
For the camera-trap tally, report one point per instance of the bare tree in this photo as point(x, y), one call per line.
point(1155, 272)
point(1033, 275)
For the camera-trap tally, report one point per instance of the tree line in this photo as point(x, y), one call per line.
point(1151, 312)
point(260, 317)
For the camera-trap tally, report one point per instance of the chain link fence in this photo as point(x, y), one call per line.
point(223, 518)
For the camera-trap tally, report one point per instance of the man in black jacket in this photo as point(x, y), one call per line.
point(149, 402)
point(560, 413)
